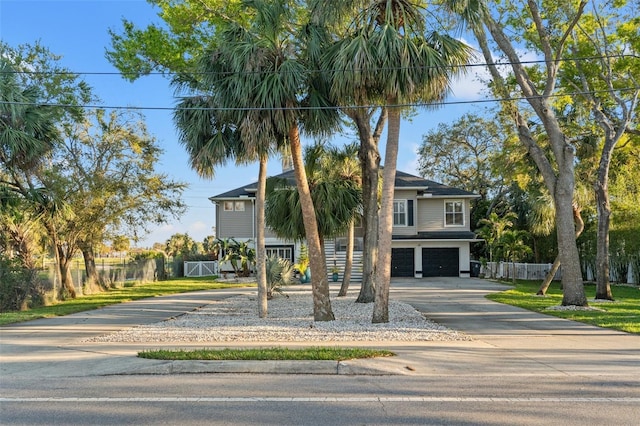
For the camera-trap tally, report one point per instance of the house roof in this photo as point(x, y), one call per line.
point(425, 187)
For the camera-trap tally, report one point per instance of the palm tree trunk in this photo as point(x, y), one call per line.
point(261, 251)
point(319, 281)
point(348, 264)
point(383, 264)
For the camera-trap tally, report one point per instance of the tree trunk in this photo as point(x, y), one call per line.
point(93, 282)
point(370, 162)
point(547, 280)
point(603, 286)
point(558, 170)
point(348, 264)
point(579, 224)
point(572, 286)
point(383, 264)
point(63, 274)
point(317, 262)
point(261, 251)
point(66, 280)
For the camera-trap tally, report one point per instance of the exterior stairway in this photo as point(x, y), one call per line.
point(338, 259)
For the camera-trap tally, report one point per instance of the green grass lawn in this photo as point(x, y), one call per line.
point(117, 295)
point(623, 314)
point(277, 353)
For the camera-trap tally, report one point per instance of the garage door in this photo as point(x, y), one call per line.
point(402, 262)
point(440, 262)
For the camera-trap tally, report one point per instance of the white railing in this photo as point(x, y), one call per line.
point(538, 271)
point(523, 271)
point(204, 268)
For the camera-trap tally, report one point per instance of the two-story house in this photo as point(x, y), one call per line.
point(431, 234)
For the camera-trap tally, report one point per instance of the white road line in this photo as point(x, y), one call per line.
point(322, 399)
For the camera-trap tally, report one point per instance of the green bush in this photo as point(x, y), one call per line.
point(20, 288)
point(279, 273)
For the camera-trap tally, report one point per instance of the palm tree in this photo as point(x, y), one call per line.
point(259, 77)
point(343, 167)
point(492, 230)
point(514, 247)
point(389, 58)
point(28, 134)
point(336, 198)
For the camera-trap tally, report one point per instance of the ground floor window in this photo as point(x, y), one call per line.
point(283, 252)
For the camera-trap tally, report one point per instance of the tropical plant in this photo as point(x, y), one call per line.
point(303, 260)
point(396, 62)
point(240, 255)
point(492, 230)
point(280, 273)
point(334, 190)
point(260, 71)
point(514, 247)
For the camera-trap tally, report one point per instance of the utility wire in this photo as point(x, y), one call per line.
point(350, 70)
point(310, 108)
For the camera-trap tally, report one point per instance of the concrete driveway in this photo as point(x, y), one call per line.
point(504, 340)
point(510, 340)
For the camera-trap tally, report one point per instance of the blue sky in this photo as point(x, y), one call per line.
point(77, 31)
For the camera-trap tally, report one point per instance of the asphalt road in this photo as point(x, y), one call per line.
point(520, 369)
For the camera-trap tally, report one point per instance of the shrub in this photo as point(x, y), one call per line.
point(279, 274)
point(20, 287)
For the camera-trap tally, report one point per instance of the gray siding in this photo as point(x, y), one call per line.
point(236, 224)
point(431, 215)
point(406, 195)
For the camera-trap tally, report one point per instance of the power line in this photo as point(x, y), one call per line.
point(346, 70)
point(311, 108)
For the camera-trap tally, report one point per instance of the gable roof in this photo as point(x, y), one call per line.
point(425, 187)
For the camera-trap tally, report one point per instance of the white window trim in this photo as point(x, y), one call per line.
point(464, 216)
point(238, 203)
point(224, 206)
point(406, 214)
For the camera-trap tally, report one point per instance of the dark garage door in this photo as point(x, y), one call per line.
point(402, 262)
point(440, 262)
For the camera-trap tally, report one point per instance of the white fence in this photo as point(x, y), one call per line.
point(538, 271)
point(205, 268)
point(523, 271)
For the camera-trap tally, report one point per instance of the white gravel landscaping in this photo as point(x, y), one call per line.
point(290, 320)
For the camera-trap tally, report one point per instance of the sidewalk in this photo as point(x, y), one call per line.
point(506, 340)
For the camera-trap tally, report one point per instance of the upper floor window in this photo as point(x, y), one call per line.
point(400, 213)
point(454, 213)
point(230, 206)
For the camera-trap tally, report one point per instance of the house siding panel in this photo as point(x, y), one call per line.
point(430, 215)
point(406, 195)
point(236, 224)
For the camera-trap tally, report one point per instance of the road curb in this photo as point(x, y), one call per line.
point(263, 367)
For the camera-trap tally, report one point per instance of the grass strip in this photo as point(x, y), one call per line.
point(623, 314)
point(118, 295)
point(275, 353)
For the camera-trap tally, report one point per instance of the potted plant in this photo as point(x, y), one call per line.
point(303, 265)
point(335, 274)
